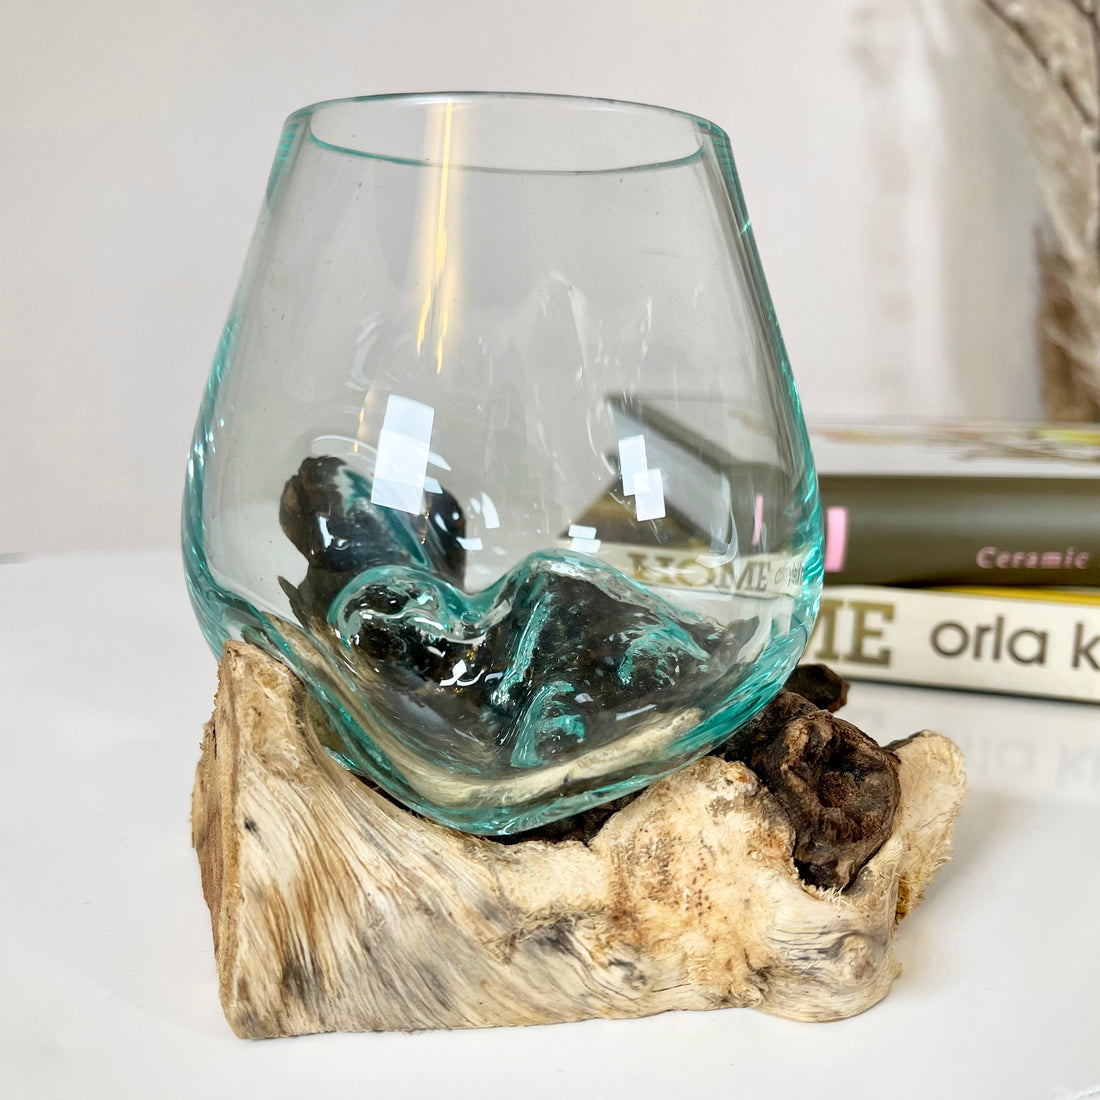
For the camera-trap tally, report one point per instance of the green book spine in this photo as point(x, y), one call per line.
point(881, 529)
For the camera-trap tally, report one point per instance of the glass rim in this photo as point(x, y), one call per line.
point(710, 129)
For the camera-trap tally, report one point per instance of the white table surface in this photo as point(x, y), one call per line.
point(108, 982)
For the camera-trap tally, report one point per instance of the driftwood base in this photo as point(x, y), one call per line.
point(333, 909)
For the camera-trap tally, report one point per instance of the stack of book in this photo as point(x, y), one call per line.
point(963, 557)
point(960, 556)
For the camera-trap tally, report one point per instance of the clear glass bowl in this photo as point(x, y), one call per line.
point(501, 453)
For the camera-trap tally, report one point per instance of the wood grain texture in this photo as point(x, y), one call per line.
point(333, 909)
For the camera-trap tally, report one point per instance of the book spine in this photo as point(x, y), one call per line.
point(961, 530)
point(980, 643)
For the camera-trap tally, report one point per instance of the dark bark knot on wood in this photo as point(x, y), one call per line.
point(838, 788)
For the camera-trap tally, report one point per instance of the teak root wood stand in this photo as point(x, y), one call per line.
point(334, 909)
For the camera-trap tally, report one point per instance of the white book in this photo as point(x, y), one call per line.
point(1030, 642)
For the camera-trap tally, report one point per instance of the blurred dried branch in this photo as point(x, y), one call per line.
point(1048, 51)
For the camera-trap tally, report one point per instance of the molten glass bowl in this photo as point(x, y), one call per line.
point(501, 453)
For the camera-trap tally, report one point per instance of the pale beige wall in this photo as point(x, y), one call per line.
point(895, 226)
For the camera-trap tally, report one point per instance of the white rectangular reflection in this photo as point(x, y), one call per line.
point(403, 448)
point(582, 538)
point(632, 460)
point(649, 495)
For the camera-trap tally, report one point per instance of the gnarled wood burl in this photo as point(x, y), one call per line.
point(333, 909)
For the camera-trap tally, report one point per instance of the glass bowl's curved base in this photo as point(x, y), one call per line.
point(563, 685)
point(540, 773)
